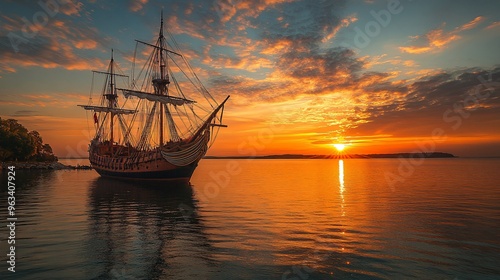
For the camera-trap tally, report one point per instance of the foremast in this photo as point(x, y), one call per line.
point(108, 110)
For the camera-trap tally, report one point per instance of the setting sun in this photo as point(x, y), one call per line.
point(339, 147)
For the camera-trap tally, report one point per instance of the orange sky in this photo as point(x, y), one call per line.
point(299, 78)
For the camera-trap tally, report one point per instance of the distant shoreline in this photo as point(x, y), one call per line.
point(345, 156)
point(59, 166)
point(53, 165)
point(335, 156)
point(341, 156)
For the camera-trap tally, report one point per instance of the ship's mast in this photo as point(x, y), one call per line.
point(160, 83)
point(162, 64)
point(108, 105)
point(111, 96)
point(161, 77)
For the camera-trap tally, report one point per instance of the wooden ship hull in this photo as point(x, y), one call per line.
point(152, 166)
point(173, 161)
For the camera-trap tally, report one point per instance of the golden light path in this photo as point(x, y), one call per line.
point(341, 185)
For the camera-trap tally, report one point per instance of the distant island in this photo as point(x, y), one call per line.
point(341, 156)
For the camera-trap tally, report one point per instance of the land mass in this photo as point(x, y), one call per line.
point(341, 156)
point(25, 149)
point(19, 144)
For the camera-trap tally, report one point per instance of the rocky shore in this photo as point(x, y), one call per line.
point(42, 165)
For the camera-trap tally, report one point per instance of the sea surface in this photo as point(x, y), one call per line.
point(262, 219)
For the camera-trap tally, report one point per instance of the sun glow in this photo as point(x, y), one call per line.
point(339, 147)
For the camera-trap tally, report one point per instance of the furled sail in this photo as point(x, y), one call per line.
point(108, 109)
point(177, 101)
point(185, 154)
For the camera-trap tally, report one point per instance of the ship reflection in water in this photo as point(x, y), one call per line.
point(145, 232)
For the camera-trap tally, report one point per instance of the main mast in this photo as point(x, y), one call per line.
point(160, 84)
point(111, 97)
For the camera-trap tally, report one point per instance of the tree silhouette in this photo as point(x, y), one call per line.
point(19, 144)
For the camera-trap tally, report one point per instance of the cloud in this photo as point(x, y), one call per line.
point(42, 100)
point(437, 39)
point(313, 83)
point(493, 25)
point(364, 102)
point(137, 5)
point(88, 44)
point(302, 72)
point(334, 65)
point(71, 7)
point(302, 23)
point(275, 54)
point(472, 24)
point(229, 9)
point(448, 88)
point(20, 113)
point(460, 93)
point(53, 45)
point(345, 22)
point(246, 62)
point(285, 43)
point(380, 60)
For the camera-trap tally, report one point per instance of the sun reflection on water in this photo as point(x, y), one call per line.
point(341, 185)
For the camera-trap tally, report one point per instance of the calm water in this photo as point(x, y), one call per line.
point(263, 219)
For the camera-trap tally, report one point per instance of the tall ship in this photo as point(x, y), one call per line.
point(161, 123)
